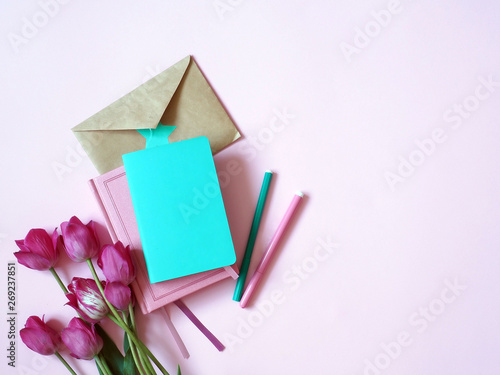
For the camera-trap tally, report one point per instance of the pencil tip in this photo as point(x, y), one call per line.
point(300, 194)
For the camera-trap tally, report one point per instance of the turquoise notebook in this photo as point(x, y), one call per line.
point(179, 209)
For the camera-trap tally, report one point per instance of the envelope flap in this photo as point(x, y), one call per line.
point(141, 108)
point(196, 111)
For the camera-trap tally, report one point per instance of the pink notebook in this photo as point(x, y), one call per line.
point(113, 195)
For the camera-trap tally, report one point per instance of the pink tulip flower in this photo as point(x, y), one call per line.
point(81, 241)
point(39, 337)
point(39, 251)
point(86, 298)
point(116, 263)
point(118, 295)
point(81, 339)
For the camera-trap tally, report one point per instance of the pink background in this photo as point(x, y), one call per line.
point(412, 284)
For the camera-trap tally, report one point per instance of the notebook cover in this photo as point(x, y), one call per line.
point(113, 196)
point(179, 209)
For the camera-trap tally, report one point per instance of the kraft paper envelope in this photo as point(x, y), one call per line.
point(178, 96)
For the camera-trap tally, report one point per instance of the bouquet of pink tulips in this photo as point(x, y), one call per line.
point(93, 300)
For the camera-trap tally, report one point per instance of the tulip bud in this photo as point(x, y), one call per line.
point(81, 339)
point(118, 295)
point(39, 251)
point(116, 263)
point(86, 298)
point(81, 241)
point(39, 337)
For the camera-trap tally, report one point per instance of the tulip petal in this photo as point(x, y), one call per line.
point(82, 340)
point(92, 229)
point(73, 302)
point(36, 342)
point(54, 237)
point(79, 242)
point(34, 322)
point(75, 220)
point(92, 303)
point(33, 261)
point(21, 245)
point(60, 245)
point(118, 295)
point(76, 323)
point(111, 263)
point(116, 263)
point(63, 226)
point(57, 245)
point(39, 242)
point(86, 298)
point(80, 348)
point(39, 337)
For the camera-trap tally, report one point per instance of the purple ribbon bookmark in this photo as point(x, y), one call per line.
point(209, 335)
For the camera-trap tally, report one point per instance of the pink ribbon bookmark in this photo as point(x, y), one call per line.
point(175, 334)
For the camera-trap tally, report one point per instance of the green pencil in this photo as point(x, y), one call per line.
point(240, 283)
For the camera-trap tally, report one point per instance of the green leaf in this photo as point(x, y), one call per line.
point(129, 367)
point(126, 344)
point(110, 352)
point(179, 370)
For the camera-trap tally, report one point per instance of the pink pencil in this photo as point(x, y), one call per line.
point(264, 262)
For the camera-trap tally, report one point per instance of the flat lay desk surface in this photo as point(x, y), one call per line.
point(385, 114)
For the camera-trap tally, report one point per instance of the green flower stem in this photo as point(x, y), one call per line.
point(65, 363)
point(114, 314)
point(58, 279)
point(101, 366)
point(140, 345)
point(148, 366)
point(132, 316)
point(141, 366)
point(153, 358)
point(145, 362)
point(118, 320)
point(63, 287)
point(65, 290)
point(105, 364)
point(101, 289)
point(138, 361)
point(143, 358)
